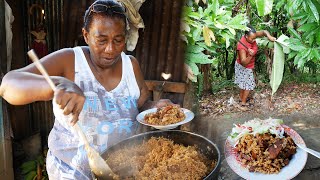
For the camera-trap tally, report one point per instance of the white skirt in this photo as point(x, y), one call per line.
point(244, 77)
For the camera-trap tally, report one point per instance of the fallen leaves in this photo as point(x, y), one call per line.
point(289, 98)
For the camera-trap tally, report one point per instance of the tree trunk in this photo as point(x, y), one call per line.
point(205, 69)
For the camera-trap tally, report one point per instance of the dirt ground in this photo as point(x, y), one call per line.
point(297, 105)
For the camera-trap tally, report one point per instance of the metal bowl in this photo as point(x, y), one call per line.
point(206, 147)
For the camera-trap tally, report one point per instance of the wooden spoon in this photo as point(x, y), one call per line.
point(97, 164)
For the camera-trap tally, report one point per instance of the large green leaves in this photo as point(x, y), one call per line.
point(313, 9)
point(194, 55)
point(305, 38)
point(278, 63)
point(264, 7)
point(210, 27)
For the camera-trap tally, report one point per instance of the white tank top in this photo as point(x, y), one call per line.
point(107, 116)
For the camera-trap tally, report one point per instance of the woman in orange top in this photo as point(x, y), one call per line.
point(247, 49)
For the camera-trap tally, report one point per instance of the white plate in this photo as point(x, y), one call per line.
point(291, 170)
point(188, 113)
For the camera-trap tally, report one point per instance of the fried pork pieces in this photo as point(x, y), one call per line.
point(265, 153)
point(164, 116)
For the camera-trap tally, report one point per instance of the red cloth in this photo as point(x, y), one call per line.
point(252, 46)
point(40, 48)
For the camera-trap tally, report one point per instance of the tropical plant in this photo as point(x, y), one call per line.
point(209, 29)
point(35, 169)
point(305, 33)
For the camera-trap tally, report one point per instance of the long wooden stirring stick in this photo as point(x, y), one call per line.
point(97, 164)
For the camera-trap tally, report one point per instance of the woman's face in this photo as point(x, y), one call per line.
point(106, 39)
point(251, 37)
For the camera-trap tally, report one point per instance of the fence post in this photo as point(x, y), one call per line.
point(6, 165)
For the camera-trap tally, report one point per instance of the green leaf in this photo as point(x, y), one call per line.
point(196, 34)
point(219, 25)
point(31, 175)
point(297, 59)
point(305, 19)
point(262, 41)
point(199, 58)
point(305, 54)
point(292, 54)
point(232, 31)
point(294, 33)
point(296, 44)
point(226, 39)
point(194, 49)
point(238, 22)
point(318, 38)
point(194, 15)
point(299, 16)
point(264, 7)
point(313, 9)
point(277, 67)
point(285, 45)
point(194, 68)
point(308, 27)
point(315, 54)
point(212, 8)
point(301, 58)
point(28, 166)
point(301, 63)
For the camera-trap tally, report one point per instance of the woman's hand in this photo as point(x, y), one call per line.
point(271, 38)
point(70, 98)
point(251, 52)
point(162, 103)
point(156, 104)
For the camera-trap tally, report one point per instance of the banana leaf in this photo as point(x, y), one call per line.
point(278, 63)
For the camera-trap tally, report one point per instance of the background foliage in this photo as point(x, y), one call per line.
point(211, 29)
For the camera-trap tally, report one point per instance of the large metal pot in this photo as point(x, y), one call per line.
point(208, 148)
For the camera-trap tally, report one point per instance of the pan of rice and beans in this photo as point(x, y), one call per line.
point(161, 155)
point(165, 154)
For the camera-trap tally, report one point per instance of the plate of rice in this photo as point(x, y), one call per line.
point(265, 149)
point(165, 118)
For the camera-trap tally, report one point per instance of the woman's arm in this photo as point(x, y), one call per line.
point(244, 59)
point(265, 33)
point(144, 98)
point(26, 85)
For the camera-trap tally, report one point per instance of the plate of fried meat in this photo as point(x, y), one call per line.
point(265, 149)
point(165, 118)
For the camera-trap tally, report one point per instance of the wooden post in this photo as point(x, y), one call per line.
point(3, 45)
point(6, 165)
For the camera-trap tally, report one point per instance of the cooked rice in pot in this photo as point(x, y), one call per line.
point(166, 115)
point(265, 153)
point(160, 158)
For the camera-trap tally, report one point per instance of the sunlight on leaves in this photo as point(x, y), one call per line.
point(264, 7)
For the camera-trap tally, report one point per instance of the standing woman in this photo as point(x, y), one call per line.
point(247, 49)
point(98, 86)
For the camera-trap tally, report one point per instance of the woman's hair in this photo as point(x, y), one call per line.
point(107, 8)
point(251, 30)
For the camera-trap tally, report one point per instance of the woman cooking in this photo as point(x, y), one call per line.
point(98, 86)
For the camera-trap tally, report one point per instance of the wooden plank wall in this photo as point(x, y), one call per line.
point(159, 48)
